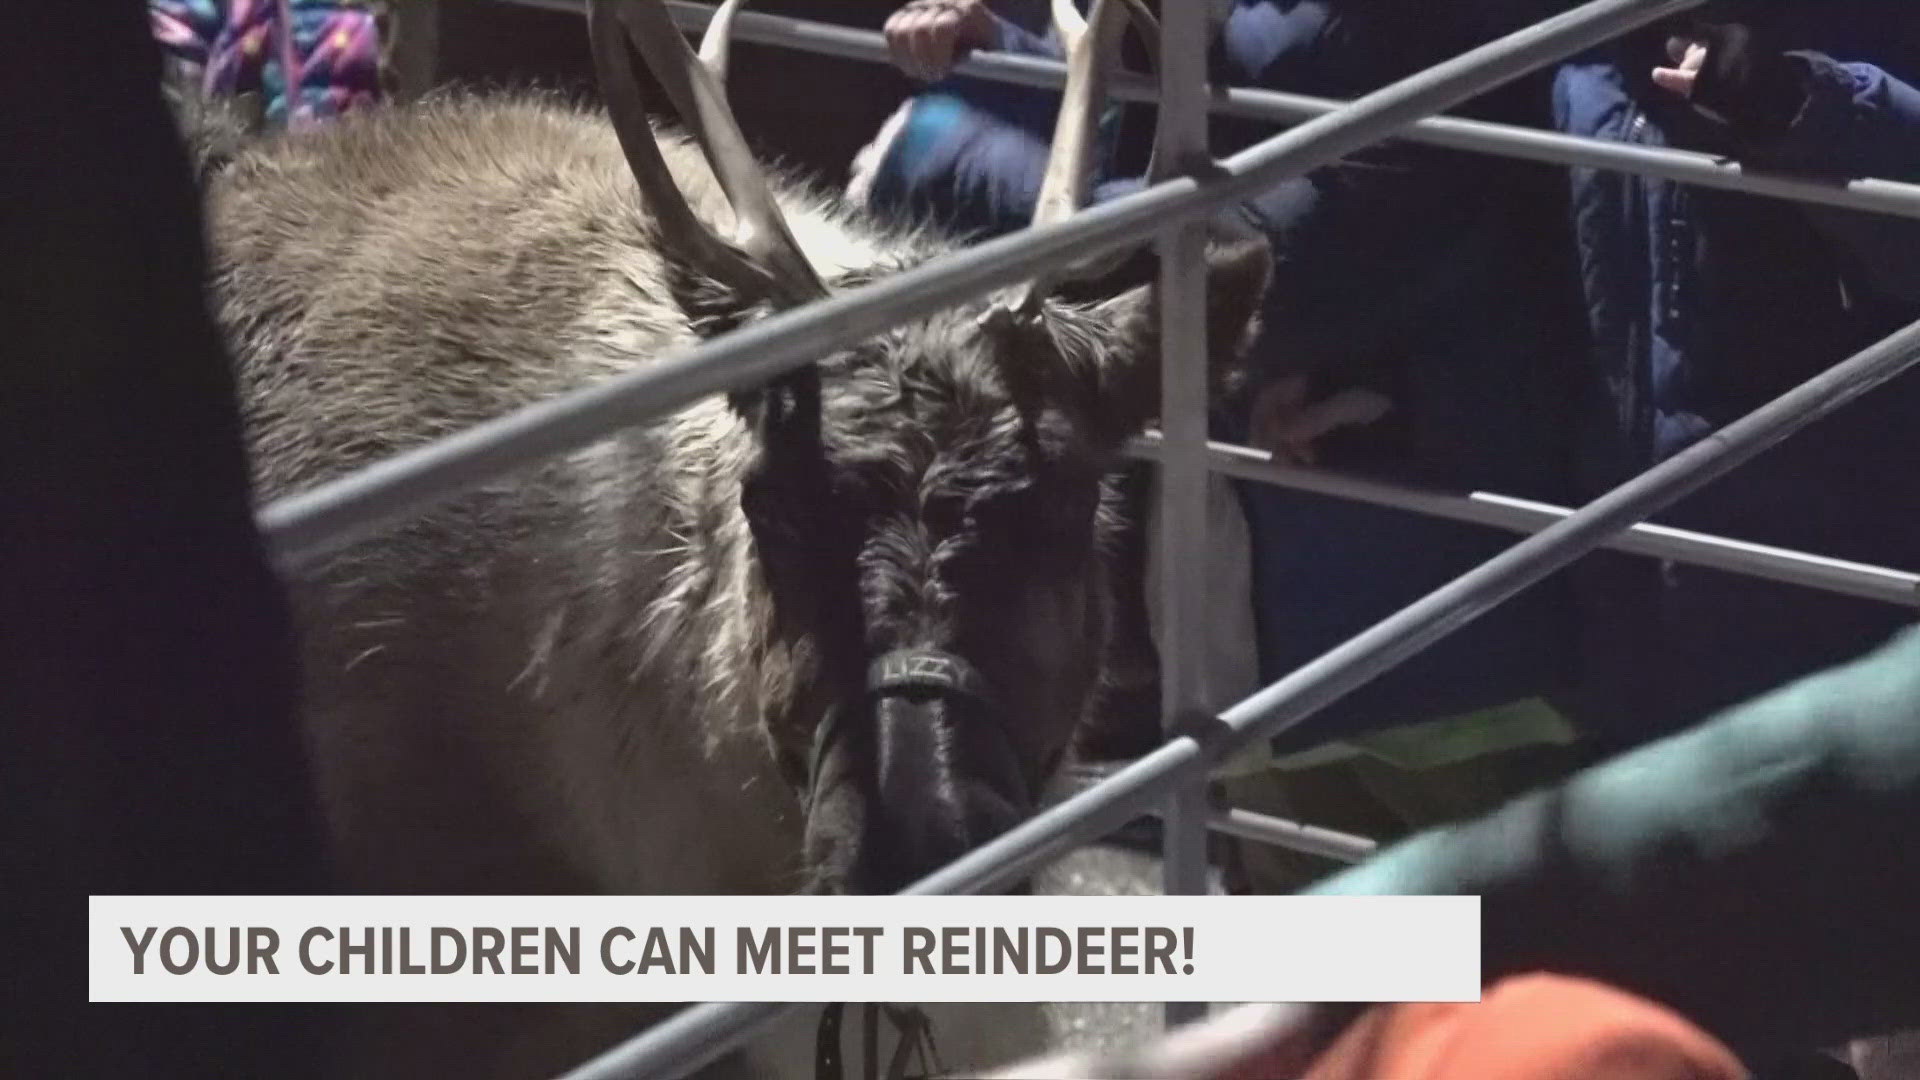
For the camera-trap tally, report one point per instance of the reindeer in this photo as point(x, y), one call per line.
point(823, 635)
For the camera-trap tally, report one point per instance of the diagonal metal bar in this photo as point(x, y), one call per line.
point(1245, 824)
point(696, 1037)
point(1784, 565)
point(1292, 835)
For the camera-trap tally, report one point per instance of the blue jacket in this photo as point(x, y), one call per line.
point(1703, 305)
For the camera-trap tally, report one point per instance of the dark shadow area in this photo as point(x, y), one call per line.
point(146, 686)
point(809, 111)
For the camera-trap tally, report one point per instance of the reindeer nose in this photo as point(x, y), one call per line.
point(944, 781)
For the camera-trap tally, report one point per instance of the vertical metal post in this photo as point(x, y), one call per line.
point(1184, 473)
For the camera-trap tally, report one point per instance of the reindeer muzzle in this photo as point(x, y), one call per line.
point(943, 712)
point(923, 674)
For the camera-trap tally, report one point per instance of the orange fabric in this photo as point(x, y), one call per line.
point(1535, 1027)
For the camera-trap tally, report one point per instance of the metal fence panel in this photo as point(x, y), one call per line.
point(698, 1036)
point(308, 526)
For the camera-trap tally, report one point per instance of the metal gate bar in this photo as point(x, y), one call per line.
point(1292, 835)
point(1246, 824)
point(1182, 516)
point(1526, 516)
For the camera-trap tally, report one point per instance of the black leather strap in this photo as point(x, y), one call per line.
point(915, 1031)
point(827, 1064)
point(927, 671)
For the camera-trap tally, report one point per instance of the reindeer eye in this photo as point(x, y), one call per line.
point(755, 500)
point(780, 508)
point(944, 513)
point(1007, 513)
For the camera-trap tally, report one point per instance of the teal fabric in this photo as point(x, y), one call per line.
point(932, 116)
point(1756, 873)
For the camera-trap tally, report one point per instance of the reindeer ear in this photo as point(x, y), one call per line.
point(1238, 273)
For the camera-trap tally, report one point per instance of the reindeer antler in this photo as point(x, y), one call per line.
point(1092, 44)
point(717, 44)
point(762, 257)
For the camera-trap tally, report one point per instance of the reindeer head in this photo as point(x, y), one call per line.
point(931, 509)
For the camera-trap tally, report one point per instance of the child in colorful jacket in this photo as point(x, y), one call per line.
point(232, 47)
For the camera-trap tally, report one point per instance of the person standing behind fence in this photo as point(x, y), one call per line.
point(1705, 304)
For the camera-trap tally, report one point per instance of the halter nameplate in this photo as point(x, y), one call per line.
point(906, 670)
point(928, 670)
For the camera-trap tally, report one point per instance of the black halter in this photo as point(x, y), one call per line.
point(908, 671)
point(927, 671)
point(903, 671)
point(914, 1027)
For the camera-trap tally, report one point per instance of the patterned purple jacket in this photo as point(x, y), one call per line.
point(332, 47)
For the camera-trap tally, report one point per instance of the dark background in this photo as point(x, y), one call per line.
point(810, 111)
